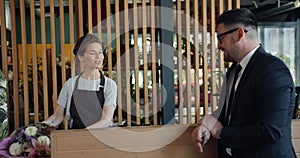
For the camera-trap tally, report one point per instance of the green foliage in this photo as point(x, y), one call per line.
point(3, 110)
point(2, 88)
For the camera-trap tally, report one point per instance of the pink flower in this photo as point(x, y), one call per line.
point(39, 150)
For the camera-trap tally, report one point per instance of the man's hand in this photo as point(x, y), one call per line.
point(212, 124)
point(200, 136)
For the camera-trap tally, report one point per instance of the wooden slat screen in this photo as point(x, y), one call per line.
point(196, 59)
point(34, 62)
point(205, 55)
point(131, 30)
point(24, 66)
point(153, 64)
point(179, 63)
point(127, 60)
point(136, 65)
point(15, 63)
point(3, 38)
point(44, 60)
point(188, 60)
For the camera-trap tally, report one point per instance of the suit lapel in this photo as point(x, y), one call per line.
point(244, 77)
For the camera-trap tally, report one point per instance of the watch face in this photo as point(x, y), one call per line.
point(220, 132)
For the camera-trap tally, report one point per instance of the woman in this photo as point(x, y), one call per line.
point(90, 97)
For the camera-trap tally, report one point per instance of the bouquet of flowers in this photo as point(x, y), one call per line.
point(28, 141)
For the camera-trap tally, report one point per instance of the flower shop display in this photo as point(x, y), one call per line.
point(28, 141)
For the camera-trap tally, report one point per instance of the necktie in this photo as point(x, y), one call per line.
point(237, 70)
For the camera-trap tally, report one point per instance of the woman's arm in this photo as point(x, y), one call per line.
point(106, 119)
point(55, 119)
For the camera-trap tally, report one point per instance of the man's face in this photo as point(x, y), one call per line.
point(226, 41)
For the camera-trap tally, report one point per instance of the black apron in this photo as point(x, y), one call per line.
point(86, 106)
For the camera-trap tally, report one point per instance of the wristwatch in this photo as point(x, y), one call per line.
point(219, 132)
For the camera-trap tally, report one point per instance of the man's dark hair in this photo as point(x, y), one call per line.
point(242, 16)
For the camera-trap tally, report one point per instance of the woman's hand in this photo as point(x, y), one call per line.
point(106, 119)
point(55, 119)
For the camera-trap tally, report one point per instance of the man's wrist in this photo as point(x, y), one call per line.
point(199, 124)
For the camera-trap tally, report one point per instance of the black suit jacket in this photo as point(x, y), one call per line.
point(261, 114)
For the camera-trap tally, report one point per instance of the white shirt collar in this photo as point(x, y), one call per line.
point(244, 62)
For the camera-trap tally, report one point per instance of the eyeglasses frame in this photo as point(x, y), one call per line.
point(228, 32)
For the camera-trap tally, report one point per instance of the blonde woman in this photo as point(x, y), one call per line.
point(89, 98)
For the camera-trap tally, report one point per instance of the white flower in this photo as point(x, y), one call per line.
point(43, 140)
point(15, 149)
point(31, 131)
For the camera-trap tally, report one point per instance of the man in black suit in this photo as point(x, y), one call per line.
point(255, 119)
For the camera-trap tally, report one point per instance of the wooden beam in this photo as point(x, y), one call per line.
point(34, 63)
point(44, 60)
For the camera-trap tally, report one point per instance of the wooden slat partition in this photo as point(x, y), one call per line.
point(237, 4)
point(127, 60)
point(72, 36)
point(62, 48)
point(4, 47)
point(118, 32)
point(197, 55)
point(229, 4)
point(44, 59)
point(145, 61)
point(99, 24)
point(24, 64)
point(3, 38)
point(188, 61)
point(213, 100)
point(34, 62)
point(79, 18)
point(153, 63)
point(221, 53)
point(118, 58)
point(205, 56)
point(90, 15)
point(109, 39)
point(53, 55)
point(62, 41)
point(136, 62)
point(179, 61)
point(14, 62)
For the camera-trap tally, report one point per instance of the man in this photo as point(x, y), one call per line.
point(255, 119)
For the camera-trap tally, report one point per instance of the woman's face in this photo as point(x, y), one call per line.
point(93, 56)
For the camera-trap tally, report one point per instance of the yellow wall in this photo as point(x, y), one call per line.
point(39, 54)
